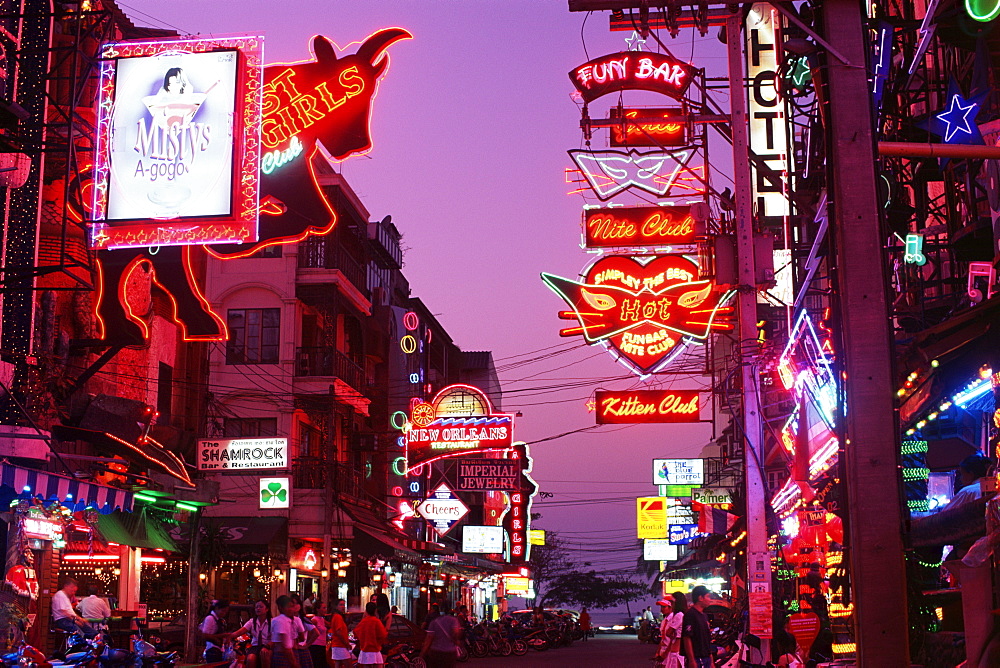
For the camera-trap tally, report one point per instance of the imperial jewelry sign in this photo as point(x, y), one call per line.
point(488, 475)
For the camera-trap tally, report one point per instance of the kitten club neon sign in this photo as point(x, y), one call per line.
point(647, 406)
point(638, 226)
point(656, 72)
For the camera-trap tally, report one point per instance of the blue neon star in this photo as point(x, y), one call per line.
point(956, 118)
point(956, 123)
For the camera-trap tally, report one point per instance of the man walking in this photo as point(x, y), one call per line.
point(697, 637)
point(441, 644)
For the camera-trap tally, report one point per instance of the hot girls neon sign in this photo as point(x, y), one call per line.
point(645, 310)
point(638, 226)
point(656, 72)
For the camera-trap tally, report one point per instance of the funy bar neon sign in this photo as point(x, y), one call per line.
point(655, 72)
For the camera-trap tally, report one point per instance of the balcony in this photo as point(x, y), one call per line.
point(324, 253)
point(322, 361)
point(312, 472)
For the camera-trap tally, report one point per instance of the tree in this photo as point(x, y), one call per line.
point(549, 562)
point(593, 590)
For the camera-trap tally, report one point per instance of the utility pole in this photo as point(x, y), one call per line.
point(871, 452)
point(758, 560)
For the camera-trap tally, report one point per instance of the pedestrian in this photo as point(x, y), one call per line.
point(305, 634)
point(441, 643)
point(317, 648)
point(371, 635)
point(696, 636)
point(339, 641)
point(585, 623)
point(284, 634)
point(434, 614)
point(668, 652)
point(64, 615)
point(383, 609)
point(213, 630)
point(309, 604)
point(258, 628)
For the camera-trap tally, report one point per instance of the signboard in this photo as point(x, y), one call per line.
point(805, 627)
point(761, 614)
point(178, 155)
point(536, 536)
point(611, 172)
point(644, 311)
point(40, 527)
point(709, 496)
point(658, 549)
point(638, 226)
point(647, 406)
point(482, 540)
point(682, 534)
point(487, 475)
point(679, 472)
point(275, 493)
point(242, 453)
point(651, 517)
point(668, 128)
point(768, 131)
point(632, 70)
point(517, 585)
point(458, 421)
point(443, 509)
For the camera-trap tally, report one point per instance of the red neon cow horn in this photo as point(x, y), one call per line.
point(373, 47)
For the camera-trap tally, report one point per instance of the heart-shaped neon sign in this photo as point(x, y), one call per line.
point(645, 310)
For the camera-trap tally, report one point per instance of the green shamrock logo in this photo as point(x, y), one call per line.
point(273, 493)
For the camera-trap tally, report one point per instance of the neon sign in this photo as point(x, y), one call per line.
point(517, 519)
point(983, 10)
point(177, 154)
point(610, 172)
point(638, 226)
point(342, 134)
point(914, 253)
point(956, 124)
point(647, 406)
point(656, 72)
point(768, 132)
point(644, 310)
point(670, 131)
point(458, 421)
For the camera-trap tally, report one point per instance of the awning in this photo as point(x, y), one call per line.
point(72, 493)
point(366, 520)
point(242, 536)
point(148, 453)
point(135, 530)
point(369, 541)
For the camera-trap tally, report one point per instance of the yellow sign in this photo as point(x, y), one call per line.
point(517, 585)
point(651, 516)
point(536, 536)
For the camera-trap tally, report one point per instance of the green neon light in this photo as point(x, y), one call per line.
point(983, 10)
point(399, 466)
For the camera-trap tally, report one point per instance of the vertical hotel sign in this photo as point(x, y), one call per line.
point(178, 142)
point(768, 130)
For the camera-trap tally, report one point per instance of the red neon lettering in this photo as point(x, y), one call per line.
point(288, 111)
point(648, 406)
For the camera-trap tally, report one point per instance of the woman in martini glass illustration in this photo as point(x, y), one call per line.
point(176, 103)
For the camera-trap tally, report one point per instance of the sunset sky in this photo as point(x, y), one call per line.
point(470, 127)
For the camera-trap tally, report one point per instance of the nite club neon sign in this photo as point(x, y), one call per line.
point(638, 226)
point(647, 406)
point(654, 72)
point(644, 310)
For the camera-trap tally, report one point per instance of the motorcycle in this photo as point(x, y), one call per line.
point(404, 656)
point(25, 656)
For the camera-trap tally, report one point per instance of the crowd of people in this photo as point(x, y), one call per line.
point(684, 631)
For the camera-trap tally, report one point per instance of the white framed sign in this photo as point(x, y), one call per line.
point(227, 454)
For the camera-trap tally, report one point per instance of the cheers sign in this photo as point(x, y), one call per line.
point(656, 72)
point(642, 406)
point(638, 226)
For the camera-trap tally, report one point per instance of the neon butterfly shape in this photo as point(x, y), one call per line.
point(691, 308)
point(610, 172)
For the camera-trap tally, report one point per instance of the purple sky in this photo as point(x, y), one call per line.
point(471, 127)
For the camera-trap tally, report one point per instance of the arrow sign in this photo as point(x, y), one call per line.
point(443, 509)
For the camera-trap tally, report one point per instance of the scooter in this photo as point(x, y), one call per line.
point(404, 656)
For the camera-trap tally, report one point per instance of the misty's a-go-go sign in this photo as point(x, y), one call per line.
point(242, 453)
point(442, 509)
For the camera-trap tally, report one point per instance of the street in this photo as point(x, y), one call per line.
point(602, 650)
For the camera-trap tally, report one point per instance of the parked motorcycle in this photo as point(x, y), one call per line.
point(404, 656)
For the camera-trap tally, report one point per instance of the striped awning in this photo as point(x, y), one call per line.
point(71, 493)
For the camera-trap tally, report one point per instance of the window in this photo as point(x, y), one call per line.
point(164, 392)
point(253, 336)
point(269, 251)
point(250, 427)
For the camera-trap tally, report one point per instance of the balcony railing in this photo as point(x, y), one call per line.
point(324, 253)
point(328, 362)
point(312, 472)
